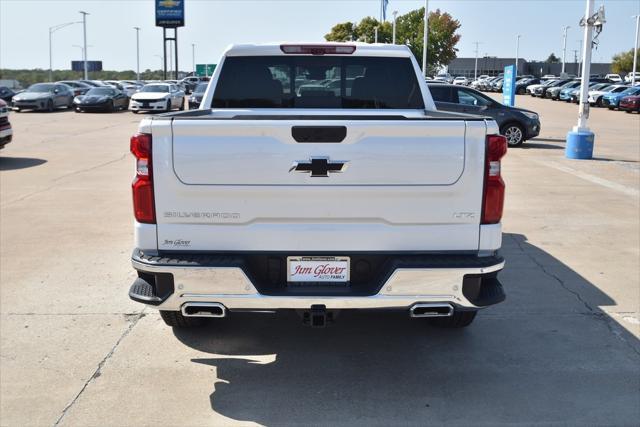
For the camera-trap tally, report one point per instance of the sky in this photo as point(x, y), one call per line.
point(214, 24)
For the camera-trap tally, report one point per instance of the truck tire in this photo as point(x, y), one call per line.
point(175, 319)
point(460, 319)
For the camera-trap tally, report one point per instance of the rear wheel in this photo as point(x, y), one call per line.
point(459, 319)
point(514, 134)
point(175, 319)
point(111, 108)
point(599, 102)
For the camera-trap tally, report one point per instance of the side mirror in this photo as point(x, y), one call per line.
point(56, 91)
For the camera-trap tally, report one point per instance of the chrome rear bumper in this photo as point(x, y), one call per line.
point(196, 282)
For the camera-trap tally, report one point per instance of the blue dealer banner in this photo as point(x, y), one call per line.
point(169, 13)
point(509, 86)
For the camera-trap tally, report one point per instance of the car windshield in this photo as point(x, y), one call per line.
point(631, 91)
point(155, 88)
point(297, 82)
point(101, 91)
point(201, 88)
point(40, 87)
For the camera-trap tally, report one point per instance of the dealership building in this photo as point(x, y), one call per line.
point(493, 66)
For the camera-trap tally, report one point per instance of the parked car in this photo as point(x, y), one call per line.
point(574, 94)
point(191, 82)
point(531, 89)
point(630, 103)
point(461, 80)
point(614, 78)
point(94, 83)
point(43, 96)
point(629, 76)
point(445, 77)
point(128, 88)
point(276, 214)
point(476, 83)
point(496, 86)
point(521, 85)
point(157, 97)
point(549, 77)
point(611, 100)
point(77, 87)
point(6, 94)
point(543, 91)
point(101, 99)
point(554, 92)
point(196, 96)
point(6, 132)
point(595, 96)
point(487, 84)
point(516, 124)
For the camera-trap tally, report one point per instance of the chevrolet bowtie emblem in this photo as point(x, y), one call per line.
point(319, 166)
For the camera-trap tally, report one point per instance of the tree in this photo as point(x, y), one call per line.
point(410, 31)
point(552, 59)
point(623, 62)
point(342, 32)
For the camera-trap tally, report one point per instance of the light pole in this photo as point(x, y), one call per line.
point(475, 69)
point(425, 40)
point(580, 63)
point(395, 13)
point(635, 52)
point(375, 34)
point(193, 58)
point(51, 31)
point(580, 139)
point(137, 52)
point(517, 53)
point(84, 51)
point(564, 46)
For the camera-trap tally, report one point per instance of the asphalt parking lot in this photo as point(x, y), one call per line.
point(562, 349)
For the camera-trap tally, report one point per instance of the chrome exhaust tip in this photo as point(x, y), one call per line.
point(203, 309)
point(431, 310)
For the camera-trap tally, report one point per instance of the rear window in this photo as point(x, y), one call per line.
point(441, 93)
point(317, 82)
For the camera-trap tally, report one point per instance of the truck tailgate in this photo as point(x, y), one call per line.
point(411, 185)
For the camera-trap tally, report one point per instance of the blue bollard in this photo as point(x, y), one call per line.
point(579, 145)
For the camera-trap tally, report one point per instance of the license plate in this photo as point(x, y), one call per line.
point(318, 269)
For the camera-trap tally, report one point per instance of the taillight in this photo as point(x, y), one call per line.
point(143, 201)
point(317, 49)
point(493, 199)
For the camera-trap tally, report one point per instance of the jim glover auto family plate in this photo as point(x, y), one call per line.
point(318, 269)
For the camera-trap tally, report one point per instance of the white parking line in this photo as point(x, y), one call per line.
point(591, 178)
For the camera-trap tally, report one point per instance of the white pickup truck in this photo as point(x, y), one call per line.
point(317, 178)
